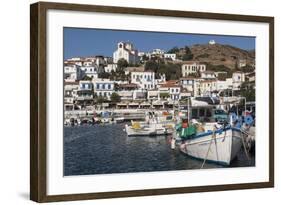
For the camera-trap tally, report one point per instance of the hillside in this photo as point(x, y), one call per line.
point(219, 54)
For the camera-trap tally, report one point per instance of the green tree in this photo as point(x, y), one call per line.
point(86, 78)
point(122, 63)
point(104, 75)
point(171, 70)
point(188, 54)
point(100, 99)
point(115, 97)
point(151, 65)
point(164, 95)
point(248, 91)
point(145, 58)
point(174, 50)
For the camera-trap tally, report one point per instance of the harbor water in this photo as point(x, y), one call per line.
point(106, 149)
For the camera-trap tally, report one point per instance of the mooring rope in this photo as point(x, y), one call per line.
point(213, 136)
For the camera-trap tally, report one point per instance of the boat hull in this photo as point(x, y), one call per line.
point(220, 147)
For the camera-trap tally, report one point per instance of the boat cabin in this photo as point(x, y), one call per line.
point(202, 113)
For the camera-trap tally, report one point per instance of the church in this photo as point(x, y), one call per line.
point(126, 50)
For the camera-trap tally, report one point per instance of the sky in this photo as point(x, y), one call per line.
point(91, 42)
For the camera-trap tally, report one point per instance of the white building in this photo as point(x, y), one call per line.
point(91, 71)
point(207, 86)
point(242, 63)
point(110, 67)
point(153, 95)
point(170, 56)
point(208, 74)
point(224, 84)
point(172, 89)
point(250, 77)
point(72, 73)
point(70, 92)
point(126, 51)
point(157, 51)
point(212, 42)
point(160, 80)
point(145, 79)
point(192, 67)
point(188, 83)
point(85, 93)
point(103, 88)
point(237, 79)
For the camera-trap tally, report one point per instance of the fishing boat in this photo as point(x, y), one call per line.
point(204, 139)
point(210, 142)
point(144, 129)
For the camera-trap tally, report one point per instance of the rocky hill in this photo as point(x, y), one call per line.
point(218, 54)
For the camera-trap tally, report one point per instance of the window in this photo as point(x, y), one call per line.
point(103, 86)
point(98, 86)
point(194, 113)
point(201, 112)
point(109, 86)
point(208, 113)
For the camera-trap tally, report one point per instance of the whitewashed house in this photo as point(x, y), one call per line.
point(224, 84)
point(145, 80)
point(72, 73)
point(126, 51)
point(208, 74)
point(110, 67)
point(238, 78)
point(103, 88)
point(172, 56)
point(157, 51)
point(153, 95)
point(192, 67)
point(172, 88)
point(207, 86)
point(70, 92)
point(85, 93)
point(187, 83)
point(126, 91)
point(91, 71)
point(242, 63)
point(250, 77)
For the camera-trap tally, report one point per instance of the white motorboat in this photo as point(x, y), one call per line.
point(144, 129)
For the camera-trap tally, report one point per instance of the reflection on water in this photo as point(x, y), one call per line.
point(107, 149)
